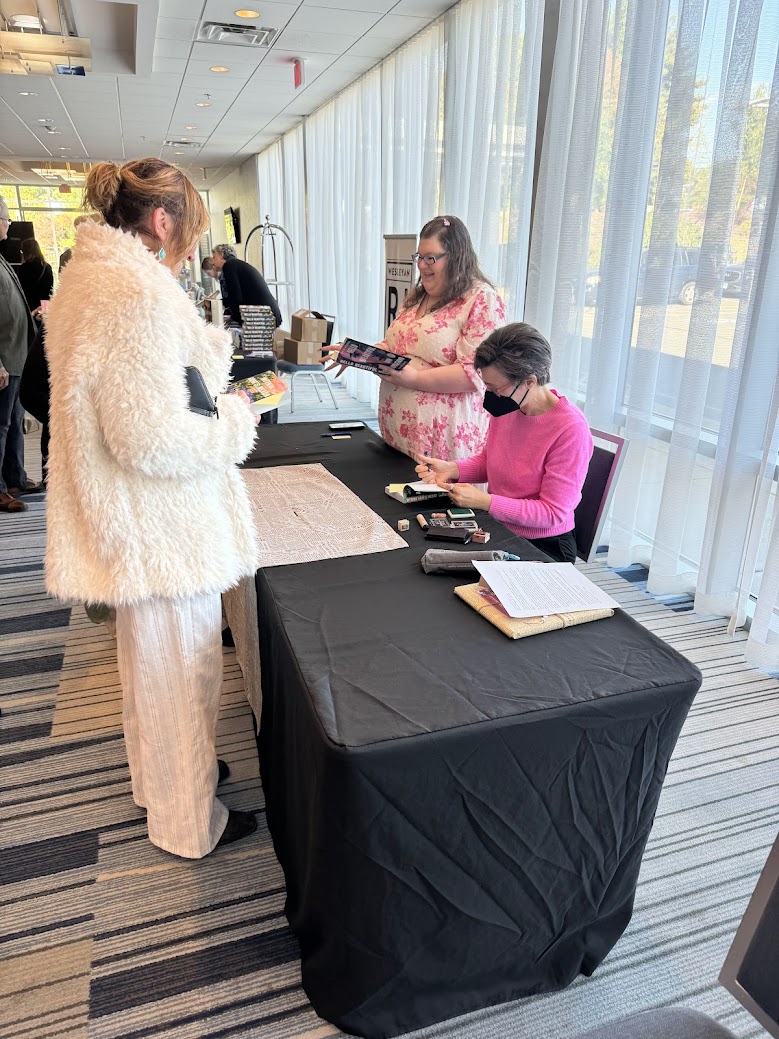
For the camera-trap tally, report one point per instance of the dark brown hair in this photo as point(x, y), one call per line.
point(462, 270)
point(31, 250)
point(518, 350)
point(126, 196)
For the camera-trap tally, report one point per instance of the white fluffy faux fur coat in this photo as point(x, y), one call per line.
point(144, 497)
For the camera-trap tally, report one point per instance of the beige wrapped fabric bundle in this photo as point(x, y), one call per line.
point(485, 602)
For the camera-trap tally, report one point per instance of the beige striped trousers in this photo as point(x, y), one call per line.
point(170, 668)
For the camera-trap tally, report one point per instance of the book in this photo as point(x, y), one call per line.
point(410, 492)
point(264, 391)
point(370, 358)
point(481, 598)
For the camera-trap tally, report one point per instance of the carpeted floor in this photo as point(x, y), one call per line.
point(102, 936)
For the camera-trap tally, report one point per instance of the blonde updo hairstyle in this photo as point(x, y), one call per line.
point(126, 196)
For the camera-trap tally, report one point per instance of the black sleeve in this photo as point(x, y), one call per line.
point(34, 385)
point(232, 284)
point(269, 300)
point(47, 282)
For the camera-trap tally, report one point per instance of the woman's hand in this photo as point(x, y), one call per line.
point(405, 377)
point(466, 496)
point(329, 355)
point(243, 396)
point(436, 471)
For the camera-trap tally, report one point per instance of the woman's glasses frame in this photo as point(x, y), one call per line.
point(429, 260)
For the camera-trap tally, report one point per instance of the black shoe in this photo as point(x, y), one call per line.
point(239, 824)
point(227, 638)
point(224, 770)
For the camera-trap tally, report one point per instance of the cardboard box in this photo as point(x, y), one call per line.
point(278, 341)
point(308, 328)
point(302, 352)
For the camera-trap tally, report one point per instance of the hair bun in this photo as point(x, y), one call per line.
point(102, 186)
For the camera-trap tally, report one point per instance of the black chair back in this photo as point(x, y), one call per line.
point(601, 480)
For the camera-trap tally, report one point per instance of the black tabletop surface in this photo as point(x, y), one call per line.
point(389, 651)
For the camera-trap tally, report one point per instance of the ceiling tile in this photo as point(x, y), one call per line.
point(374, 6)
point(304, 43)
point(332, 20)
point(172, 48)
point(370, 47)
point(420, 8)
point(176, 28)
point(223, 54)
point(240, 72)
point(397, 27)
point(181, 8)
point(177, 65)
point(272, 15)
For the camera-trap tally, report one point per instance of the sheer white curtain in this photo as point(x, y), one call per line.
point(741, 544)
point(412, 81)
point(647, 196)
point(345, 247)
point(272, 253)
point(493, 57)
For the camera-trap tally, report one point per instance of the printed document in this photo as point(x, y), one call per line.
point(541, 589)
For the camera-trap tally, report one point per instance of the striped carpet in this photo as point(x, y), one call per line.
point(102, 936)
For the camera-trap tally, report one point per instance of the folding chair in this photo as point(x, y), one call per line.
point(600, 482)
point(313, 371)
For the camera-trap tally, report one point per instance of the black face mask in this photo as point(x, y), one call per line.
point(498, 406)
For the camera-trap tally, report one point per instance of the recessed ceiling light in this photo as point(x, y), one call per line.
point(219, 68)
point(46, 120)
point(64, 148)
point(50, 129)
point(179, 153)
point(190, 128)
point(28, 93)
point(203, 104)
point(186, 138)
point(247, 14)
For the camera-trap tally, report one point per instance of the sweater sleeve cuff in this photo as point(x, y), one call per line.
point(506, 510)
point(472, 470)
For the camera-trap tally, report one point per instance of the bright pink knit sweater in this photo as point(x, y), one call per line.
point(534, 466)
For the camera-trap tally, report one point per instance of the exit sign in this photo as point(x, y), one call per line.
point(297, 66)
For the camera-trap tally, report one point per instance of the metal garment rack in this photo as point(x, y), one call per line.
point(270, 232)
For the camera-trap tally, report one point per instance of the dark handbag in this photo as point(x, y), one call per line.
point(200, 400)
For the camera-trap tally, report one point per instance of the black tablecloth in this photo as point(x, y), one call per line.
point(245, 368)
point(460, 817)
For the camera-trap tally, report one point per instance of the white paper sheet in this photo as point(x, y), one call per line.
point(540, 589)
point(423, 488)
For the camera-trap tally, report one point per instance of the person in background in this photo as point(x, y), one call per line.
point(433, 406)
point(208, 269)
point(34, 387)
point(17, 331)
point(242, 284)
point(538, 446)
point(147, 511)
point(35, 275)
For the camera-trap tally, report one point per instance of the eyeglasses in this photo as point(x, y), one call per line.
point(429, 260)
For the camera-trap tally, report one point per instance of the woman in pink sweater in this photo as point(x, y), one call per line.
point(537, 451)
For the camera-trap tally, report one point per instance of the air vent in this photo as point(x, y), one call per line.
point(181, 144)
point(237, 35)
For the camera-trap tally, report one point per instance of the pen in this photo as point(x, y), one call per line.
point(422, 521)
point(337, 436)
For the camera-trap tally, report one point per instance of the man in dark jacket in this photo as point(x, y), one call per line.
point(242, 284)
point(17, 332)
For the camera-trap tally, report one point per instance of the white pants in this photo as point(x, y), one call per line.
point(170, 668)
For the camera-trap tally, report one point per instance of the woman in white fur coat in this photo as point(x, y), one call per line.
point(146, 509)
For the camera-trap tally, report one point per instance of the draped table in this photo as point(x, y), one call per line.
point(460, 817)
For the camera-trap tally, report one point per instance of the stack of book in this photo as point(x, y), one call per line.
point(258, 325)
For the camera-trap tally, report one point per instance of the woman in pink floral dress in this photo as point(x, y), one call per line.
point(434, 405)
